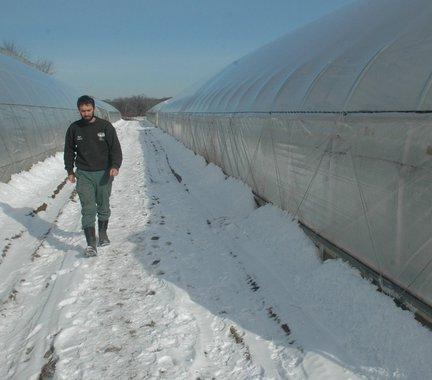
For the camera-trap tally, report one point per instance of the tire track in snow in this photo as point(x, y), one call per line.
point(271, 280)
point(42, 207)
point(34, 331)
point(290, 362)
point(158, 150)
point(139, 323)
point(14, 274)
point(11, 290)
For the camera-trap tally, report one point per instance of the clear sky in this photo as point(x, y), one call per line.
point(152, 47)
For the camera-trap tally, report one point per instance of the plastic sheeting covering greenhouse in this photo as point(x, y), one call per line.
point(333, 122)
point(35, 111)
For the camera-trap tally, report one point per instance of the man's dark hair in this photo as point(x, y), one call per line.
point(85, 99)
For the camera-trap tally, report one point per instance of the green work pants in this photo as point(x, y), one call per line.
point(94, 190)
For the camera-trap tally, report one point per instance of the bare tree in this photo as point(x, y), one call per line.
point(45, 66)
point(10, 48)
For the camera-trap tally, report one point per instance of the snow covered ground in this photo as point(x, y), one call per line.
point(197, 283)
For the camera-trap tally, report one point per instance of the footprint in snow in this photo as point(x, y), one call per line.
point(67, 301)
point(64, 271)
point(71, 314)
point(113, 349)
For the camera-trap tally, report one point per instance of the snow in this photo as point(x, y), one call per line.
point(197, 283)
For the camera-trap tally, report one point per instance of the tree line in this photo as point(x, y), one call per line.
point(133, 106)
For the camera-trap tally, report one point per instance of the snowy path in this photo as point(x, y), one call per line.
point(198, 283)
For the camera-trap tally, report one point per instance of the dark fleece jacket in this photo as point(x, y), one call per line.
point(92, 146)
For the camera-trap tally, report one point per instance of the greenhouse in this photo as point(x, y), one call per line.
point(35, 111)
point(332, 123)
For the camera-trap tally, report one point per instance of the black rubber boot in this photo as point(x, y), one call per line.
point(90, 235)
point(103, 237)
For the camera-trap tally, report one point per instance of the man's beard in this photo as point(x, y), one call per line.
point(88, 118)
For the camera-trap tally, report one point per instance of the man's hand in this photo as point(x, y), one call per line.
point(114, 172)
point(71, 178)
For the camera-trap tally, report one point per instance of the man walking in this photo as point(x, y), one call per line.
point(93, 146)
